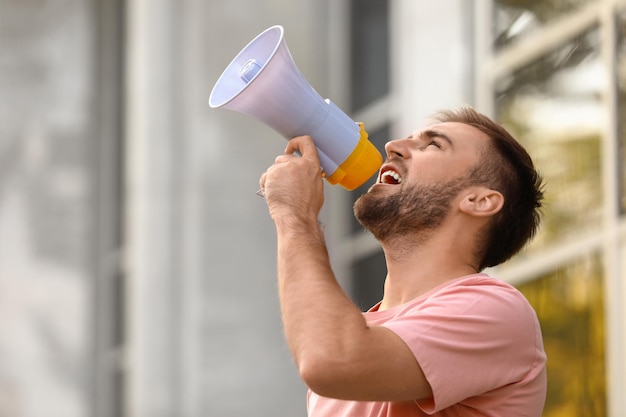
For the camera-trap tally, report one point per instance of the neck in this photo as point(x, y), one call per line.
point(416, 265)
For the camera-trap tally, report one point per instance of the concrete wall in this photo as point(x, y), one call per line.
point(47, 207)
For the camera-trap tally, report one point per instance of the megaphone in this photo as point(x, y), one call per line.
point(263, 81)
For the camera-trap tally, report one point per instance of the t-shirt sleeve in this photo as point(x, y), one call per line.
point(470, 340)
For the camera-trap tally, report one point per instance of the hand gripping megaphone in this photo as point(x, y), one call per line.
point(263, 81)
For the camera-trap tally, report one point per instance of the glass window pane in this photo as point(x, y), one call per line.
point(368, 279)
point(514, 19)
point(554, 106)
point(621, 83)
point(570, 306)
point(378, 137)
point(369, 71)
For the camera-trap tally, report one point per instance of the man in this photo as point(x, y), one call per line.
point(446, 340)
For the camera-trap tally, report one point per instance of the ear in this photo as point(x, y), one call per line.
point(482, 202)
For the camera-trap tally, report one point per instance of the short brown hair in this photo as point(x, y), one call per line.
point(508, 168)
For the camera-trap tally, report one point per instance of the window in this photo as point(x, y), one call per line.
point(570, 305)
point(369, 275)
point(554, 92)
point(554, 106)
point(514, 18)
point(369, 66)
point(369, 72)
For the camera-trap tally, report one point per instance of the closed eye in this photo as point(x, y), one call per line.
point(435, 138)
point(431, 143)
point(434, 143)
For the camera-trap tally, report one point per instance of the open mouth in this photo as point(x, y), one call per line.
point(390, 176)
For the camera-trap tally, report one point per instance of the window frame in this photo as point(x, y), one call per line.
point(607, 240)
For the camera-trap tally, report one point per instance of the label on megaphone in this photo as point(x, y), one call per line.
point(263, 81)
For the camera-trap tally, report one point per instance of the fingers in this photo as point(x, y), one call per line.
point(294, 185)
point(300, 155)
point(305, 146)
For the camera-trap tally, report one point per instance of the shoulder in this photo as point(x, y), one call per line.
point(477, 306)
point(479, 292)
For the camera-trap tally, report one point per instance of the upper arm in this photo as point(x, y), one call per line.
point(484, 332)
point(378, 366)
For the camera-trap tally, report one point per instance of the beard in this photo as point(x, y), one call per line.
point(418, 209)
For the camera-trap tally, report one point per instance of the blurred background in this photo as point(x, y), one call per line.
point(137, 265)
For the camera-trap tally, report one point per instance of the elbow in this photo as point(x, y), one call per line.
point(324, 375)
point(317, 380)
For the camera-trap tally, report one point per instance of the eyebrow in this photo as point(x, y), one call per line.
point(432, 133)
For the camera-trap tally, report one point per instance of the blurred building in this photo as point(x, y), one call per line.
point(137, 265)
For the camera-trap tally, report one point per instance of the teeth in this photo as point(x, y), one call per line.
point(392, 174)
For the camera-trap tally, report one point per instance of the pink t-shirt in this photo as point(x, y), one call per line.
point(479, 343)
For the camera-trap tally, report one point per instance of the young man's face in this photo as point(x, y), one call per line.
point(422, 176)
point(438, 153)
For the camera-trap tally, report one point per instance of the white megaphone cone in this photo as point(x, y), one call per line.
point(264, 82)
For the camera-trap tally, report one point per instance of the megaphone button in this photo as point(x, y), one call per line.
point(249, 70)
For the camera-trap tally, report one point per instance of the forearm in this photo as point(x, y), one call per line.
point(321, 323)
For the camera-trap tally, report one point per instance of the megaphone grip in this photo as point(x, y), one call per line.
point(361, 165)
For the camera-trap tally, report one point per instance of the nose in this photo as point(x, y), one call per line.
point(398, 148)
